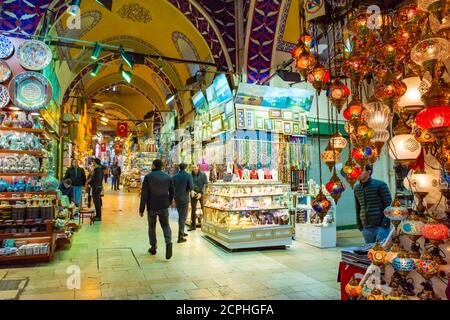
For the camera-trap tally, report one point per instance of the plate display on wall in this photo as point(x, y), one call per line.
point(4, 96)
point(5, 71)
point(34, 55)
point(30, 91)
point(6, 47)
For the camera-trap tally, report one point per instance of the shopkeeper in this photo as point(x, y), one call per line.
point(200, 181)
point(78, 178)
point(371, 198)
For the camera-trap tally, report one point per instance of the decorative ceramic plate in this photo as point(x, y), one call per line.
point(5, 71)
point(30, 91)
point(4, 96)
point(6, 47)
point(34, 55)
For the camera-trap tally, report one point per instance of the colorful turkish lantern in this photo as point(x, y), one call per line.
point(410, 17)
point(338, 142)
point(351, 172)
point(433, 118)
point(425, 138)
point(354, 109)
point(330, 156)
point(436, 232)
point(338, 94)
point(321, 205)
point(377, 255)
point(430, 50)
point(427, 266)
point(420, 181)
point(305, 62)
point(389, 91)
point(318, 77)
point(353, 288)
point(356, 67)
point(403, 264)
point(335, 187)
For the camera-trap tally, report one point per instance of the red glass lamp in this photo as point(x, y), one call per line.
point(435, 119)
point(335, 187)
point(354, 109)
point(319, 77)
point(436, 233)
point(338, 94)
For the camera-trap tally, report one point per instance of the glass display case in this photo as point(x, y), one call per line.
point(248, 214)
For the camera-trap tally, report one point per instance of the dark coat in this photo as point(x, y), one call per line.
point(116, 171)
point(77, 175)
point(96, 180)
point(66, 191)
point(371, 199)
point(183, 184)
point(157, 191)
point(200, 181)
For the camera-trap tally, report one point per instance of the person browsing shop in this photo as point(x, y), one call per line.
point(200, 181)
point(78, 178)
point(371, 198)
point(116, 171)
point(96, 184)
point(157, 195)
point(183, 185)
point(66, 189)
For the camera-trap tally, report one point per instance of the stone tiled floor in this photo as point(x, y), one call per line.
point(114, 264)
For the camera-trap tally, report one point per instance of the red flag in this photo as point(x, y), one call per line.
point(122, 129)
point(103, 147)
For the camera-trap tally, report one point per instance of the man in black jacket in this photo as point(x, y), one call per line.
point(116, 171)
point(371, 198)
point(78, 178)
point(200, 181)
point(157, 195)
point(96, 183)
point(183, 185)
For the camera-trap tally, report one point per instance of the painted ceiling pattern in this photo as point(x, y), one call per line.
point(261, 39)
point(135, 13)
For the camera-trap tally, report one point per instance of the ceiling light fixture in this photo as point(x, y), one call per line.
point(14, 108)
point(170, 97)
point(107, 4)
point(96, 52)
point(104, 119)
point(74, 7)
point(96, 69)
point(103, 123)
point(126, 57)
point(97, 103)
point(126, 75)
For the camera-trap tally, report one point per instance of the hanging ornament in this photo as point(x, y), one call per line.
point(354, 109)
point(335, 187)
point(338, 94)
point(380, 139)
point(330, 156)
point(305, 62)
point(351, 172)
point(389, 92)
point(356, 67)
point(318, 77)
point(338, 142)
point(410, 17)
point(321, 205)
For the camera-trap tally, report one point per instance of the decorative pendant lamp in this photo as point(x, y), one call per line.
point(354, 109)
point(356, 67)
point(425, 138)
point(380, 139)
point(439, 15)
point(330, 156)
point(353, 289)
point(338, 142)
point(318, 77)
point(411, 101)
point(378, 116)
point(412, 228)
point(321, 205)
point(305, 62)
point(396, 213)
point(435, 119)
point(403, 148)
point(420, 184)
point(335, 187)
point(338, 94)
point(377, 255)
point(429, 51)
point(389, 91)
point(427, 266)
point(350, 171)
point(403, 264)
point(410, 16)
point(436, 233)
point(443, 156)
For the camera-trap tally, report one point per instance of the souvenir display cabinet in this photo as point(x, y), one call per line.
point(248, 214)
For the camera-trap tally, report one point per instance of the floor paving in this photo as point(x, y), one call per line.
point(114, 264)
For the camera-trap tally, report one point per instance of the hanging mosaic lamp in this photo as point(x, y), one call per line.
point(429, 52)
point(321, 205)
point(335, 187)
point(318, 77)
point(439, 14)
point(330, 156)
point(364, 134)
point(354, 109)
point(409, 16)
point(389, 91)
point(356, 67)
point(434, 119)
point(338, 142)
point(351, 172)
point(338, 94)
point(305, 62)
point(425, 138)
point(427, 266)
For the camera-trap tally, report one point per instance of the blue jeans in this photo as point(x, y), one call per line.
point(375, 234)
point(77, 191)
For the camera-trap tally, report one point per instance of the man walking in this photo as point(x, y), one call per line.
point(96, 183)
point(183, 185)
point(116, 171)
point(78, 178)
point(200, 182)
point(157, 195)
point(371, 198)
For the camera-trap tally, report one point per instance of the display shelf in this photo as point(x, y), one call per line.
point(36, 153)
point(246, 195)
point(21, 258)
point(247, 227)
point(246, 209)
point(23, 195)
point(17, 174)
point(29, 130)
point(47, 233)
